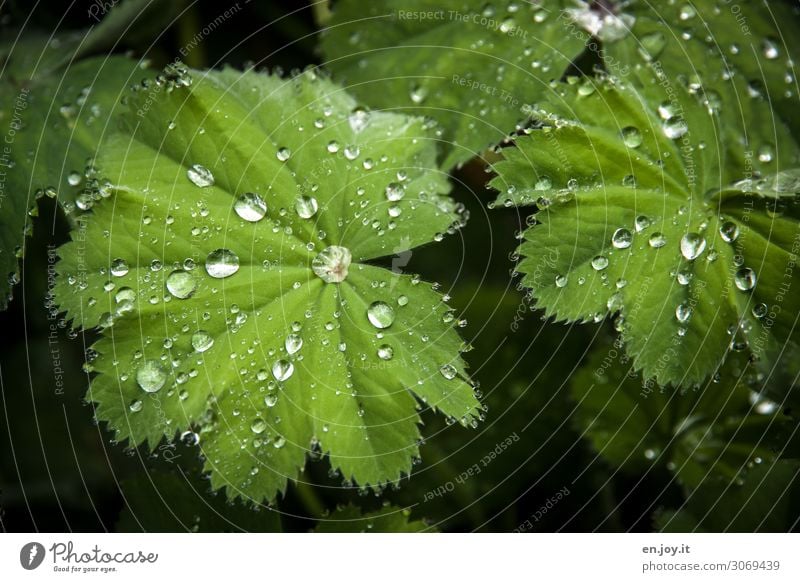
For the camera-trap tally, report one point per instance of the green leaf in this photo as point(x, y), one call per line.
point(659, 220)
point(765, 501)
point(702, 40)
point(51, 127)
point(473, 66)
point(389, 519)
point(301, 175)
point(712, 431)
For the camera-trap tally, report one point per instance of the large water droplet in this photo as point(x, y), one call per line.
point(250, 207)
point(283, 154)
point(282, 370)
point(642, 222)
point(380, 314)
point(395, 192)
point(622, 238)
point(599, 263)
point(332, 263)
point(200, 176)
point(293, 343)
point(202, 341)
point(258, 425)
point(448, 371)
point(306, 206)
point(692, 245)
point(657, 240)
point(745, 279)
point(181, 284)
point(151, 376)
point(222, 263)
point(119, 267)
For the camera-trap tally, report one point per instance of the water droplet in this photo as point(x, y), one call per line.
point(622, 238)
point(293, 343)
point(395, 192)
point(632, 137)
point(448, 371)
point(282, 370)
point(770, 49)
point(683, 312)
point(675, 127)
point(657, 240)
point(278, 442)
point(283, 154)
point(760, 310)
point(181, 284)
point(271, 400)
point(306, 206)
point(200, 176)
point(745, 279)
point(385, 352)
point(202, 341)
point(599, 263)
point(561, 281)
point(135, 406)
point(642, 222)
point(222, 263)
point(74, 178)
point(332, 264)
point(692, 245)
point(380, 314)
point(190, 438)
point(250, 207)
point(258, 425)
point(151, 376)
point(358, 120)
point(119, 267)
point(729, 231)
point(418, 94)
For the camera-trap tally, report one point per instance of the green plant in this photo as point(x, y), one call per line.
point(239, 241)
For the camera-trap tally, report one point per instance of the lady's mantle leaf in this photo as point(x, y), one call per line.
point(473, 66)
point(649, 208)
point(228, 270)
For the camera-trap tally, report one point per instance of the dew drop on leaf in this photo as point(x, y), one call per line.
point(448, 371)
point(250, 207)
point(258, 425)
point(642, 222)
point(692, 245)
point(385, 352)
point(599, 263)
point(675, 127)
point(729, 231)
point(200, 176)
point(293, 343)
point(135, 406)
point(760, 310)
point(222, 263)
point(561, 281)
point(332, 264)
point(631, 137)
point(151, 376)
point(119, 268)
point(306, 206)
point(283, 154)
point(657, 240)
point(270, 400)
point(395, 191)
point(622, 238)
point(745, 279)
point(683, 312)
point(380, 314)
point(181, 284)
point(202, 341)
point(282, 370)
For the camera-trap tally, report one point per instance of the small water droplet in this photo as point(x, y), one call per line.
point(642, 222)
point(599, 263)
point(293, 343)
point(448, 371)
point(258, 425)
point(119, 267)
point(675, 127)
point(283, 154)
point(395, 191)
point(657, 240)
point(561, 281)
point(202, 341)
point(306, 206)
point(683, 312)
point(632, 137)
point(385, 352)
point(729, 231)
